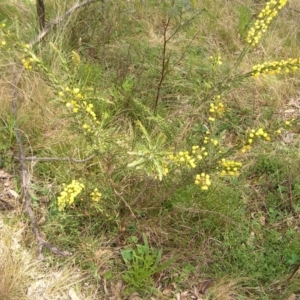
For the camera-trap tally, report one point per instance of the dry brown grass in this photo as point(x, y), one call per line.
point(24, 277)
point(14, 265)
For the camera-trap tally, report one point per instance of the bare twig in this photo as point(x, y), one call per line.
point(141, 193)
point(125, 202)
point(58, 20)
point(70, 159)
point(164, 64)
point(40, 10)
point(296, 269)
point(203, 211)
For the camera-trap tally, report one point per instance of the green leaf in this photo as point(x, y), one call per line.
point(136, 163)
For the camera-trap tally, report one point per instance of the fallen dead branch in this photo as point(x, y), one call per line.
point(25, 176)
point(69, 159)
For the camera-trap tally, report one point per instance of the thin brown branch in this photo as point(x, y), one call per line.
point(193, 210)
point(296, 269)
point(142, 192)
point(164, 65)
point(59, 19)
point(25, 176)
point(125, 202)
point(40, 10)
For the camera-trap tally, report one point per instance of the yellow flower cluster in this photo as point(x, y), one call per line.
point(95, 195)
point(254, 134)
point(27, 63)
point(69, 193)
point(216, 110)
point(264, 19)
point(183, 158)
point(289, 123)
point(188, 159)
point(76, 102)
point(275, 67)
point(203, 180)
point(216, 60)
point(230, 167)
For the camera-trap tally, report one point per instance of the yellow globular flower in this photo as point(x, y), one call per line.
point(3, 43)
point(264, 19)
point(203, 180)
point(214, 142)
point(69, 193)
point(76, 91)
point(289, 123)
point(95, 195)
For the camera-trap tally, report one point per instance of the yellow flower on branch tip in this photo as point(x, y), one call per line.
point(264, 19)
